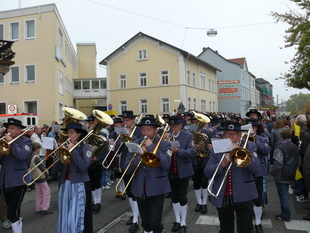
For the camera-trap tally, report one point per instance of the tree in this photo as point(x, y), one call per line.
point(307, 108)
point(297, 103)
point(298, 34)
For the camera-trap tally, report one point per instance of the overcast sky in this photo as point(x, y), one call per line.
point(245, 29)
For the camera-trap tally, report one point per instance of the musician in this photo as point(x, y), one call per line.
point(263, 150)
point(74, 196)
point(129, 122)
point(239, 187)
point(149, 184)
point(181, 170)
point(254, 114)
point(13, 167)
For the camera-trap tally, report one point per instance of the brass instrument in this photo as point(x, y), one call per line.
point(239, 156)
point(5, 146)
point(124, 138)
point(201, 138)
point(150, 159)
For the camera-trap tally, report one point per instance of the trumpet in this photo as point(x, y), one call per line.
point(5, 146)
point(239, 156)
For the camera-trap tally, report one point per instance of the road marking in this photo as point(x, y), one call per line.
point(298, 225)
point(214, 221)
point(124, 216)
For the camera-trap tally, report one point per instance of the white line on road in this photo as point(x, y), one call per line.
point(126, 215)
point(298, 225)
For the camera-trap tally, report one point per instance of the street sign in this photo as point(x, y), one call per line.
point(12, 108)
point(110, 107)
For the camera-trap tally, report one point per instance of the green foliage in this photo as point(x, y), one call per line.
point(297, 103)
point(297, 35)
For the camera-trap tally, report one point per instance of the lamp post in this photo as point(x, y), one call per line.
point(211, 33)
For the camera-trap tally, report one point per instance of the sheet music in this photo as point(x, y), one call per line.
point(190, 128)
point(48, 143)
point(175, 144)
point(134, 147)
point(221, 145)
point(121, 130)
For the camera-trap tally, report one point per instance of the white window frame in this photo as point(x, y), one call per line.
point(188, 77)
point(26, 73)
point(210, 106)
point(2, 75)
point(164, 78)
point(143, 106)
point(11, 75)
point(60, 82)
point(26, 29)
point(194, 79)
point(213, 85)
point(60, 38)
point(195, 104)
point(165, 105)
point(123, 105)
point(203, 106)
point(26, 106)
point(202, 81)
point(122, 81)
point(142, 54)
point(11, 35)
point(213, 106)
point(61, 113)
point(2, 31)
point(142, 78)
point(189, 103)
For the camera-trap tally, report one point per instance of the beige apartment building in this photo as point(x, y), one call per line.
point(150, 76)
point(46, 64)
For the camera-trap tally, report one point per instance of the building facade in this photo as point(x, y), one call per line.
point(149, 76)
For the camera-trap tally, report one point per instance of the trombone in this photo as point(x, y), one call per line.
point(150, 159)
point(239, 156)
point(5, 146)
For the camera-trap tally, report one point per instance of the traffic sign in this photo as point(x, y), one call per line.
point(110, 107)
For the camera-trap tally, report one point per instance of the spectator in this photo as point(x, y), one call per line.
point(283, 170)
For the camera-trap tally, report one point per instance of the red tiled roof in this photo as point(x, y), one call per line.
point(239, 61)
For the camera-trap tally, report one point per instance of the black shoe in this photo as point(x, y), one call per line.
point(134, 227)
point(198, 208)
point(204, 209)
point(96, 207)
point(176, 226)
point(117, 196)
point(129, 222)
point(258, 228)
point(46, 212)
point(123, 197)
point(182, 229)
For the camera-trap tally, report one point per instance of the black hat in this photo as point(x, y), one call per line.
point(231, 125)
point(166, 116)
point(193, 117)
point(151, 121)
point(254, 122)
point(149, 115)
point(127, 114)
point(174, 120)
point(215, 120)
point(253, 111)
point(91, 117)
point(13, 121)
point(187, 114)
point(117, 120)
point(78, 127)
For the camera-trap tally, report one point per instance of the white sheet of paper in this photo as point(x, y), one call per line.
point(48, 143)
point(175, 144)
point(190, 128)
point(134, 147)
point(121, 130)
point(221, 145)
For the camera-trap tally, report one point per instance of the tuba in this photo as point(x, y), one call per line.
point(201, 139)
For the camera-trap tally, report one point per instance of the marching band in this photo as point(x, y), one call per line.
point(150, 156)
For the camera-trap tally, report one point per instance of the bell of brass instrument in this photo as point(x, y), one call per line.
point(5, 146)
point(129, 138)
point(201, 139)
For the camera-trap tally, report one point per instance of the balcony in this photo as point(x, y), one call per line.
point(90, 88)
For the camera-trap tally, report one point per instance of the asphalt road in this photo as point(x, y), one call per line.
point(115, 212)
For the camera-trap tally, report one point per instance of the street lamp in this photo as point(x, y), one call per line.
point(211, 33)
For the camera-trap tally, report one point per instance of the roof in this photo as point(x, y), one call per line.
point(239, 61)
point(141, 34)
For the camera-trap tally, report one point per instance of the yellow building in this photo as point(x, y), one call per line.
point(150, 76)
point(46, 64)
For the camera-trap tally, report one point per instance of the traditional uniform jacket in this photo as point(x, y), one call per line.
point(186, 153)
point(81, 159)
point(243, 185)
point(263, 150)
point(15, 165)
point(151, 181)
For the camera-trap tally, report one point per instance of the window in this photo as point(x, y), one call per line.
point(202, 81)
point(61, 113)
point(142, 54)
point(1, 78)
point(103, 84)
point(60, 82)
point(95, 84)
point(143, 106)
point(203, 106)
point(60, 39)
point(1, 32)
point(30, 73)
point(31, 106)
point(122, 81)
point(142, 79)
point(123, 105)
point(164, 77)
point(77, 85)
point(209, 84)
point(30, 29)
point(2, 108)
point(14, 31)
point(210, 106)
point(86, 85)
point(213, 85)
point(15, 74)
point(165, 105)
point(188, 77)
point(189, 104)
point(213, 106)
point(194, 104)
point(194, 79)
